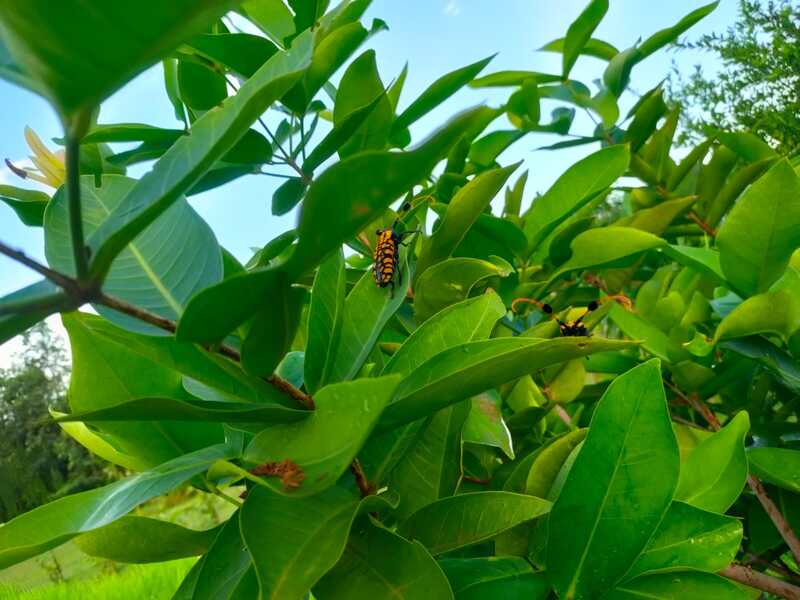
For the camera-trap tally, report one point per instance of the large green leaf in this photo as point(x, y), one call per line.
point(431, 469)
point(468, 369)
point(21, 309)
point(367, 309)
point(324, 444)
point(762, 230)
point(295, 541)
point(715, 472)
point(666, 36)
point(573, 190)
point(325, 318)
point(462, 212)
point(97, 444)
point(611, 504)
point(53, 524)
point(357, 190)
point(778, 466)
point(686, 585)
point(175, 257)
point(690, 538)
point(439, 91)
point(494, 577)
point(28, 204)
point(655, 341)
point(775, 313)
point(580, 32)
point(380, 564)
point(467, 519)
point(452, 281)
point(213, 134)
point(70, 70)
point(548, 463)
point(143, 540)
point(242, 53)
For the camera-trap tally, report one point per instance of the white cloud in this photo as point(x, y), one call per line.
point(452, 9)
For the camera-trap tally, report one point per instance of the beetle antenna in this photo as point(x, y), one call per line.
point(545, 308)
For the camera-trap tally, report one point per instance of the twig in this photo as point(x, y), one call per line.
point(701, 224)
point(778, 568)
point(59, 279)
point(760, 581)
point(477, 480)
point(363, 484)
point(774, 513)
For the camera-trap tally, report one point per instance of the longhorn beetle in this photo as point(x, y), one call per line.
point(387, 253)
point(574, 328)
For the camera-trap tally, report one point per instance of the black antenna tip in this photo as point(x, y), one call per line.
point(547, 308)
point(407, 206)
point(593, 305)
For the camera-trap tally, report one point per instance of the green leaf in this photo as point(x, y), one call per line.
point(287, 195)
point(468, 369)
point(494, 577)
point(762, 230)
point(715, 472)
point(666, 36)
point(21, 309)
point(312, 531)
point(367, 309)
point(168, 263)
point(548, 463)
point(656, 219)
point(325, 321)
point(512, 79)
point(453, 280)
point(360, 86)
point(130, 132)
point(468, 519)
point(593, 47)
point(686, 585)
point(380, 564)
point(705, 260)
point(356, 191)
point(144, 540)
point(28, 204)
point(655, 341)
point(463, 210)
point(775, 312)
point(242, 53)
point(573, 190)
point(271, 331)
point(439, 91)
point(778, 466)
point(485, 424)
point(580, 32)
point(273, 17)
point(646, 116)
point(618, 72)
point(200, 87)
point(324, 444)
point(96, 444)
point(70, 69)
point(431, 468)
point(484, 151)
point(747, 145)
point(611, 504)
point(213, 134)
point(53, 524)
point(169, 409)
point(690, 538)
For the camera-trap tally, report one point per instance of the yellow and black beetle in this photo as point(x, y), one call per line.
point(574, 328)
point(387, 254)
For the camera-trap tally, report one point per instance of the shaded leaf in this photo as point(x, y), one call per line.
point(494, 577)
point(778, 466)
point(686, 585)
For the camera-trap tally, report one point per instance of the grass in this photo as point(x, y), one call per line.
point(137, 582)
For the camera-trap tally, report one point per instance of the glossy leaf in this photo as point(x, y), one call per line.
point(143, 540)
point(354, 192)
point(439, 91)
point(313, 531)
point(686, 585)
point(690, 538)
point(762, 230)
point(468, 369)
point(778, 466)
point(494, 577)
point(611, 504)
point(573, 190)
point(213, 134)
point(512, 79)
point(53, 524)
point(462, 212)
point(580, 32)
point(325, 321)
point(159, 271)
point(776, 313)
point(367, 309)
point(324, 444)
point(467, 519)
point(485, 424)
point(715, 472)
point(69, 68)
point(451, 281)
point(548, 463)
point(380, 564)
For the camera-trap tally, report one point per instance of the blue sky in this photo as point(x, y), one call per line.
point(434, 37)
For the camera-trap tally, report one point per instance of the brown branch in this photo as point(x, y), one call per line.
point(781, 568)
point(701, 224)
point(61, 280)
point(761, 581)
point(477, 480)
point(364, 486)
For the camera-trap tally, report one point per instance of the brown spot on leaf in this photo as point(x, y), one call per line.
point(290, 473)
point(489, 408)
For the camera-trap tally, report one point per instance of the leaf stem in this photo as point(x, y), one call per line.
point(761, 581)
point(363, 484)
point(75, 130)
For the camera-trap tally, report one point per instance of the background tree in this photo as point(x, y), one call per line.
point(37, 461)
point(758, 87)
